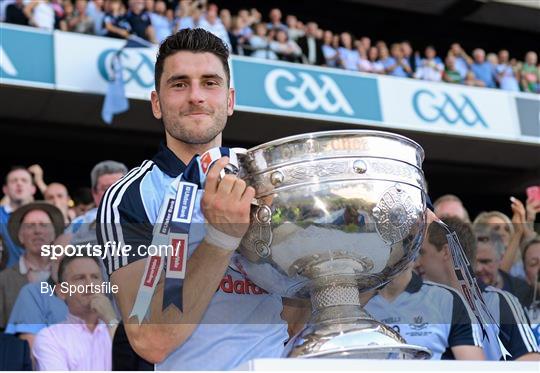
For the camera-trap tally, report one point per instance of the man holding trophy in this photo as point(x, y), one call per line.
point(323, 216)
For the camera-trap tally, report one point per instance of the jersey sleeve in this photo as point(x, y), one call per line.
point(123, 228)
point(464, 330)
point(515, 331)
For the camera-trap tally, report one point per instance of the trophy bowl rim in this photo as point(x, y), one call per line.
point(317, 134)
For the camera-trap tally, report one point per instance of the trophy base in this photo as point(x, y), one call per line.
point(363, 338)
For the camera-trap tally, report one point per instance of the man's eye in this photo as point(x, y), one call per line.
point(179, 85)
point(212, 83)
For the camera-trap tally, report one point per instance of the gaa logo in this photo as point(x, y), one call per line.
point(304, 90)
point(431, 108)
point(136, 66)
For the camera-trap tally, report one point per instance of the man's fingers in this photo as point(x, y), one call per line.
point(226, 184)
point(238, 189)
point(248, 195)
point(212, 178)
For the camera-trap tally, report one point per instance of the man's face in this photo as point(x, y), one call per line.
point(487, 263)
point(19, 187)
point(397, 53)
point(501, 228)
point(450, 209)
point(57, 195)
point(275, 15)
point(83, 271)
point(532, 263)
point(431, 264)
point(194, 100)
point(479, 56)
point(103, 183)
point(36, 230)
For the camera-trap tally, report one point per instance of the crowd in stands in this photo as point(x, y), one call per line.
point(277, 38)
point(75, 332)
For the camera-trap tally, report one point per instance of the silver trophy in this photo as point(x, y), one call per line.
point(337, 213)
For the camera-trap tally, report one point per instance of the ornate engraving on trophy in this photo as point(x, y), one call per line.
point(394, 214)
point(318, 170)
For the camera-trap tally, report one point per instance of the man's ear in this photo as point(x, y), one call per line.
point(445, 252)
point(156, 106)
point(231, 99)
point(5, 189)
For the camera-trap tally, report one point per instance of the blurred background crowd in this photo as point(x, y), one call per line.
point(279, 36)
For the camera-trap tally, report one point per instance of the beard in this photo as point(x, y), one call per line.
point(191, 132)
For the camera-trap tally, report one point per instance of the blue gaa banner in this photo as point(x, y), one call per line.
point(289, 89)
point(26, 56)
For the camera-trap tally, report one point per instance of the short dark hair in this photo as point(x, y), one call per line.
point(66, 260)
point(17, 168)
point(192, 40)
point(437, 236)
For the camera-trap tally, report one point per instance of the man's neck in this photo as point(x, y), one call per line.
point(185, 152)
point(36, 261)
point(397, 286)
point(91, 319)
point(15, 204)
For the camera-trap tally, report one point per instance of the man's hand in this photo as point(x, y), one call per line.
point(226, 204)
point(518, 218)
point(532, 207)
point(103, 307)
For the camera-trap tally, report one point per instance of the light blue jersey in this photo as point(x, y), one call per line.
point(242, 321)
point(429, 315)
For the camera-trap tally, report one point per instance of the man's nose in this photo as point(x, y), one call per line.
point(196, 94)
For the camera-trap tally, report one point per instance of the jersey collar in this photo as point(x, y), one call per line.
point(168, 162)
point(415, 284)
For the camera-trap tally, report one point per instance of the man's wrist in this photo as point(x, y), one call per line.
point(220, 239)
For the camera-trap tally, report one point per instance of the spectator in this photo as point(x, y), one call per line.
point(463, 61)
point(375, 65)
point(57, 194)
point(312, 52)
point(19, 189)
point(531, 262)
point(506, 76)
point(79, 21)
point(115, 22)
point(366, 42)
point(67, 12)
point(530, 73)
point(470, 80)
point(104, 174)
point(40, 13)
point(95, 10)
point(189, 15)
point(511, 327)
point(490, 250)
point(245, 22)
point(348, 57)
point(397, 65)
point(363, 63)
point(413, 59)
point(286, 50)
point(15, 13)
point(330, 53)
point(450, 205)
point(482, 69)
point(255, 16)
point(451, 74)
point(139, 20)
point(512, 233)
point(212, 23)
point(82, 201)
point(260, 45)
point(35, 309)
point(84, 340)
point(3, 6)
point(31, 226)
point(159, 20)
point(227, 20)
point(275, 20)
point(294, 28)
point(431, 68)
